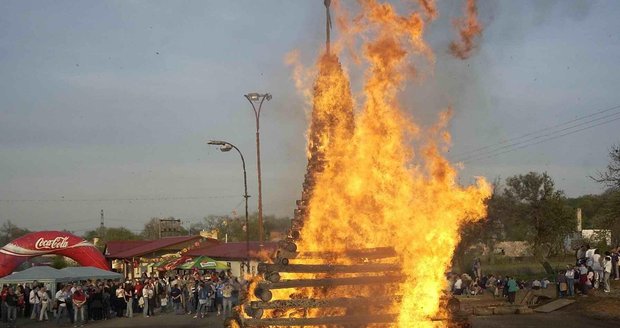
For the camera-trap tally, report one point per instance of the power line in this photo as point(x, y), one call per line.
point(540, 141)
point(464, 155)
point(118, 199)
point(511, 145)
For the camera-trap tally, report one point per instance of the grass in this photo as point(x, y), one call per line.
point(525, 268)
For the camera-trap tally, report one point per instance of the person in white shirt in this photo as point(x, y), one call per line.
point(61, 298)
point(35, 303)
point(607, 271)
point(536, 284)
point(458, 286)
point(45, 300)
point(570, 280)
point(597, 268)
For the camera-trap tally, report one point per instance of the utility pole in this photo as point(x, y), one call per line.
point(101, 227)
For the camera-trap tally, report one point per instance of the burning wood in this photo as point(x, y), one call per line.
point(331, 282)
point(363, 190)
point(329, 268)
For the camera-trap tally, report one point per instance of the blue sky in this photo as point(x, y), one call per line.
point(115, 99)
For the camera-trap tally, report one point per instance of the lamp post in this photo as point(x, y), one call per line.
point(257, 98)
point(225, 147)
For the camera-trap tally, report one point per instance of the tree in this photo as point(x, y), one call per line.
point(591, 207)
point(9, 231)
point(611, 176)
point(59, 262)
point(541, 210)
point(608, 217)
point(108, 234)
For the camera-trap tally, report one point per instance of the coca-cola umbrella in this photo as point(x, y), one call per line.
point(204, 263)
point(176, 263)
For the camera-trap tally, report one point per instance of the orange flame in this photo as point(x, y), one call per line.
point(371, 189)
point(469, 29)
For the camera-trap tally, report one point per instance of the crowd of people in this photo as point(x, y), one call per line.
point(592, 270)
point(77, 303)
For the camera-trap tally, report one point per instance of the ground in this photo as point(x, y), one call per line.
point(597, 310)
point(159, 320)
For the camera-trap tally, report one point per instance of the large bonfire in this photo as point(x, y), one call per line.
point(382, 179)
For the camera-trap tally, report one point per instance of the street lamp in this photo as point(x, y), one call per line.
point(257, 98)
point(225, 147)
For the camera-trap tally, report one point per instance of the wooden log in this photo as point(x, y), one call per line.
point(357, 320)
point(329, 268)
point(329, 282)
point(369, 253)
point(321, 303)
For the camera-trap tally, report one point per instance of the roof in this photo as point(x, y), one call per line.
point(84, 273)
point(39, 273)
point(234, 251)
point(114, 247)
point(155, 245)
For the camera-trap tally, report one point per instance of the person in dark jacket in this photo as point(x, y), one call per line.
point(11, 306)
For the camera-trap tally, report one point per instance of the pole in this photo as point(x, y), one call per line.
point(247, 220)
point(258, 168)
point(328, 24)
point(226, 146)
point(101, 227)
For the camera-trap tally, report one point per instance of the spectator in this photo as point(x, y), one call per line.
point(79, 307)
point(562, 286)
point(11, 307)
point(61, 300)
point(607, 271)
point(491, 285)
point(536, 284)
point(477, 268)
point(570, 280)
point(120, 303)
point(203, 300)
point(128, 288)
point(176, 295)
point(227, 297)
point(35, 303)
point(458, 289)
point(45, 300)
point(597, 266)
point(615, 261)
point(512, 288)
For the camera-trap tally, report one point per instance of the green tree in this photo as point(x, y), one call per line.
point(9, 231)
point(591, 207)
point(541, 210)
point(59, 262)
point(485, 232)
point(108, 234)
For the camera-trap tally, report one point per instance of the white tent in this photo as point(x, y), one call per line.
point(50, 276)
point(87, 273)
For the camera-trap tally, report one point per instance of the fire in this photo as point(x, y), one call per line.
point(383, 179)
point(469, 29)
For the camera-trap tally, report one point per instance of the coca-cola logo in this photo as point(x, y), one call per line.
point(56, 243)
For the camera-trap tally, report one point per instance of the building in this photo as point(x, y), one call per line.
point(133, 258)
point(235, 253)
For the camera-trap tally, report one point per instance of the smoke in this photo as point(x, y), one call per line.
point(469, 30)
